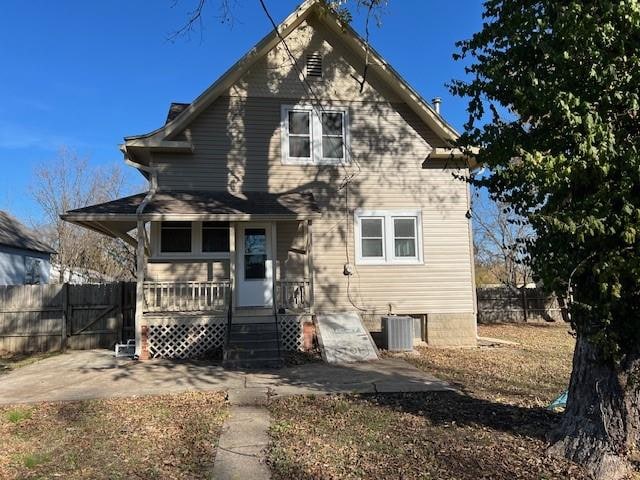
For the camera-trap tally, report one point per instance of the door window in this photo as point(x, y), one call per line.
point(255, 253)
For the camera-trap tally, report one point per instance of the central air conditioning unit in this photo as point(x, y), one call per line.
point(397, 333)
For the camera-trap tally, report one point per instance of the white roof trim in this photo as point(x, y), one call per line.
point(397, 83)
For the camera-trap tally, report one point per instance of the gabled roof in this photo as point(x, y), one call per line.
point(425, 111)
point(15, 234)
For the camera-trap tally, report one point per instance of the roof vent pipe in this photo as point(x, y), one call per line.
point(436, 104)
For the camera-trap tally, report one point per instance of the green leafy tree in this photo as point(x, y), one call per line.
point(553, 93)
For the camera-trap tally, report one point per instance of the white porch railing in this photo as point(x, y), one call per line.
point(187, 296)
point(293, 295)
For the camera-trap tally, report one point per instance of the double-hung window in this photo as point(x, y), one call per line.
point(314, 135)
point(299, 128)
point(333, 135)
point(191, 239)
point(388, 237)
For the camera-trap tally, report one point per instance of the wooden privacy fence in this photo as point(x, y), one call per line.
point(53, 317)
point(506, 305)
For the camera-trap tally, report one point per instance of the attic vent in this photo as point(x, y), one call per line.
point(314, 65)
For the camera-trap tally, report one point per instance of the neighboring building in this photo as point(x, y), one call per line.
point(24, 259)
point(78, 276)
point(300, 190)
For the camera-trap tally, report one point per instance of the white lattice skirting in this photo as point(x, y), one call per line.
point(186, 340)
point(291, 334)
point(200, 338)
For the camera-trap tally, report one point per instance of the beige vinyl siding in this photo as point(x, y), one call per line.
point(274, 75)
point(188, 270)
point(291, 244)
point(237, 148)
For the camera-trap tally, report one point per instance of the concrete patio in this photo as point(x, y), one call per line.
point(79, 375)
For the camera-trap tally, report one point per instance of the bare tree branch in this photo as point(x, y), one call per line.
point(499, 241)
point(66, 183)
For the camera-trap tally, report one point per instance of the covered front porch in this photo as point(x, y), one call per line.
point(208, 261)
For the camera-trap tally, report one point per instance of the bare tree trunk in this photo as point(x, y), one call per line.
point(601, 426)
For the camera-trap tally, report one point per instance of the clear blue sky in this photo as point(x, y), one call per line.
point(87, 73)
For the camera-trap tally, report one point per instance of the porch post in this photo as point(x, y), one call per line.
point(140, 267)
point(310, 265)
point(274, 264)
point(232, 264)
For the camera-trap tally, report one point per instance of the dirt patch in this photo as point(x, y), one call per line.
point(169, 436)
point(13, 361)
point(296, 358)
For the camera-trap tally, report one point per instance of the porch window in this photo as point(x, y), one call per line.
point(175, 237)
point(314, 135)
point(388, 237)
point(215, 237)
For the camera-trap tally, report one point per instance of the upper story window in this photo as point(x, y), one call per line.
point(299, 134)
point(191, 239)
point(314, 135)
point(388, 237)
point(333, 135)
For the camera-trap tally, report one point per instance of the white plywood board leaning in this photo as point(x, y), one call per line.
point(344, 339)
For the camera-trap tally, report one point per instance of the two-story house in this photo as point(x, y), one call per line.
point(309, 178)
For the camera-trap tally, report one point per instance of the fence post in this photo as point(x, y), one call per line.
point(65, 315)
point(524, 304)
point(120, 325)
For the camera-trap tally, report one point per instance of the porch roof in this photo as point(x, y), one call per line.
point(201, 205)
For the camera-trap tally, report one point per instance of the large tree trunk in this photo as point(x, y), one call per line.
point(600, 428)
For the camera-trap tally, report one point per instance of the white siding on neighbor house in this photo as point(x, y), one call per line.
point(13, 265)
point(237, 148)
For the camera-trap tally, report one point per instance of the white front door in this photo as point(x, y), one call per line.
point(255, 265)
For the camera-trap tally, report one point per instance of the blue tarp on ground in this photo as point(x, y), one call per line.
point(560, 402)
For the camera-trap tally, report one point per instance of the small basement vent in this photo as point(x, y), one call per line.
point(314, 65)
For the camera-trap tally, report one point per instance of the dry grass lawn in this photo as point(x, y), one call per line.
point(496, 430)
point(531, 374)
point(162, 437)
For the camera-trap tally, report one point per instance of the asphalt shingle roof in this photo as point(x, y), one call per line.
point(216, 202)
point(15, 234)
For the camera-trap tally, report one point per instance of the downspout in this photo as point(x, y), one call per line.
point(140, 251)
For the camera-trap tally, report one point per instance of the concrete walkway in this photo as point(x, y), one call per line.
point(79, 375)
point(88, 374)
point(242, 445)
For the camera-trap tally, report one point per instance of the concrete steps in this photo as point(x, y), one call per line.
point(253, 346)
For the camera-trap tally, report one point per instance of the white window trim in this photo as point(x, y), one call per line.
point(388, 232)
point(196, 245)
point(315, 135)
